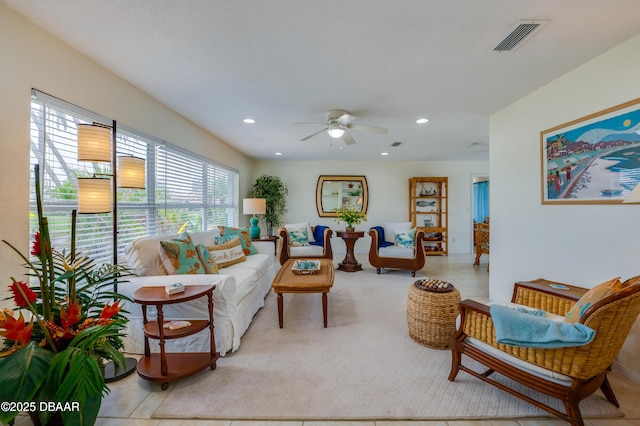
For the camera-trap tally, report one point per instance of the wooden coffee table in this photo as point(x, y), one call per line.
point(286, 281)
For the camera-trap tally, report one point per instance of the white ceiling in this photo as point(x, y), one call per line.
point(388, 62)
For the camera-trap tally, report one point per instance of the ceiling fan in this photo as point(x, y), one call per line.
point(337, 124)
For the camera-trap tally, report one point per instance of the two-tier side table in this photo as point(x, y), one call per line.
point(166, 367)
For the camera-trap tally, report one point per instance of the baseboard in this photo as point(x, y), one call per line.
point(634, 376)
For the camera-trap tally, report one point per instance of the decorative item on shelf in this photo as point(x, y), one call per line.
point(350, 216)
point(428, 222)
point(423, 190)
point(254, 206)
point(74, 323)
point(433, 236)
point(176, 325)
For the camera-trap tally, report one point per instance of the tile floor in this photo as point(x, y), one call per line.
point(132, 401)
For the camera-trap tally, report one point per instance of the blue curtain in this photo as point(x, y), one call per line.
point(480, 200)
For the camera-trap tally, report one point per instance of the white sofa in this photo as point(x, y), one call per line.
point(239, 294)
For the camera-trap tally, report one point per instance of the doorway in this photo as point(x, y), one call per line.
point(479, 202)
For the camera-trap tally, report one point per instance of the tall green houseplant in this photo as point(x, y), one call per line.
point(275, 192)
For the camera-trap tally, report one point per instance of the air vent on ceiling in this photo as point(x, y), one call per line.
point(521, 32)
point(396, 144)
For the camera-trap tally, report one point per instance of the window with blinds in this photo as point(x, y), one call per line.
point(183, 190)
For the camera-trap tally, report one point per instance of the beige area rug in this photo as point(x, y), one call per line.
point(363, 366)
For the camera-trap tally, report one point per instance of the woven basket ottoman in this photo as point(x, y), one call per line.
point(432, 308)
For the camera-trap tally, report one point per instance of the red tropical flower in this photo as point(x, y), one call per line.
point(14, 328)
point(35, 248)
point(110, 310)
point(70, 314)
point(17, 297)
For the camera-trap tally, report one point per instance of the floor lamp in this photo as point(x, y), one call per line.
point(98, 194)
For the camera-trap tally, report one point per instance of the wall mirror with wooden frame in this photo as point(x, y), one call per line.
point(334, 192)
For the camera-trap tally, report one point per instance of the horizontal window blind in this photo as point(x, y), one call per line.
point(183, 190)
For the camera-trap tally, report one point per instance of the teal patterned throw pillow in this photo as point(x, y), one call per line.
point(298, 238)
point(405, 239)
point(179, 256)
point(228, 233)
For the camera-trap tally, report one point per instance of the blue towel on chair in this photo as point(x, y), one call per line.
point(529, 329)
point(318, 236)
point(381, 240)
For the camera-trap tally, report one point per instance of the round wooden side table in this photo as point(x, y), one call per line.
point(350, 264)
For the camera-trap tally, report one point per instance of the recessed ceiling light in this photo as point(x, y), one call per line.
point(422, 120)
point(384, 153)
point(278, 153)
point(249, 121)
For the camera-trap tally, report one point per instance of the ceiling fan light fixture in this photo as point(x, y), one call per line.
point(335, 132)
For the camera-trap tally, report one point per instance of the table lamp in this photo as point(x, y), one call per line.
point(254, 206)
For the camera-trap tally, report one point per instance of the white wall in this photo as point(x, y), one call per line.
point(388, 193)
point(579, 244)
point(32, 58)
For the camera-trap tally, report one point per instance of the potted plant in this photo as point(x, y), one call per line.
point(350, 216)
point(275, 192)
point(59, 334)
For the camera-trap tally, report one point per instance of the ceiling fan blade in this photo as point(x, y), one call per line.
point(368, 128)
point(345, 118)
point(313, 134)
point(348, 139)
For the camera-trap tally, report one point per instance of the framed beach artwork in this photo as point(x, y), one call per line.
point(592, 160)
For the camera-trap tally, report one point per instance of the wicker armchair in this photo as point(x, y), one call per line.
point(286, 252)
point(385, 259)
point(570, 374)
point(481, 240)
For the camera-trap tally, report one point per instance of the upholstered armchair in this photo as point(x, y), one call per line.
point(385, 252)
point(304, 241)
point(568, 373)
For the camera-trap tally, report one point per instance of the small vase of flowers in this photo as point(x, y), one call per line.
point(350, 216)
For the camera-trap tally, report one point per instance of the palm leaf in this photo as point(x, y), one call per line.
point(75, 376)
point(22, 375)
point(86, 416)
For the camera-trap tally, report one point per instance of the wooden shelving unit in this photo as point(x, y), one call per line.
point(428, 210)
